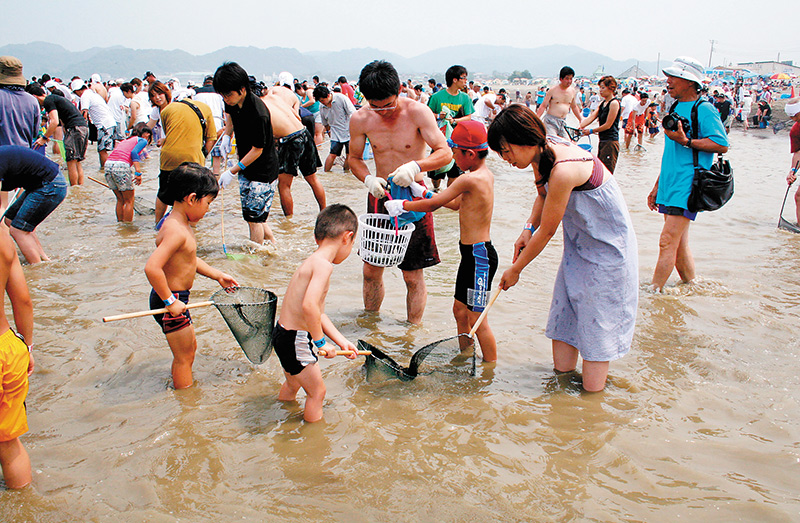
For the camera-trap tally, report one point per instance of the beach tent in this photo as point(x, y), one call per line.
point(780, 76)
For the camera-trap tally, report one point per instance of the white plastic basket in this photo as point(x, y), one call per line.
point(380, 244)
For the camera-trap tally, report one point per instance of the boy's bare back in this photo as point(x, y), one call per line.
point(308, 288)
point(176, 250)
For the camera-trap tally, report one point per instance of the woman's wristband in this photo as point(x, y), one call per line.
point(138, 173)
point(240, 165)
point(169, 301)
point(320, 342)
point(530, 227)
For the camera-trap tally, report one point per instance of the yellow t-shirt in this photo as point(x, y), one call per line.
point(183, 140)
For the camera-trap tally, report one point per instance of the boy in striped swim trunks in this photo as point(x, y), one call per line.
point(478, 256)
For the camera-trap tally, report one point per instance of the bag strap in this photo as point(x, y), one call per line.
point(199, 115)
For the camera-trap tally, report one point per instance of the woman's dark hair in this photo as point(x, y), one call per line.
point(159, 87)
point(333, 220)
point(379, 80)
point(188, 178)
point(453, 73)
point(230, 77)
point(609, 81)
point(35, 89)
point(518, 125)
point(127, 87)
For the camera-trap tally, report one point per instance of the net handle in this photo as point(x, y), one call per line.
point(152, 312)
point(323, 352)
point(485, 312)
point(98, 181)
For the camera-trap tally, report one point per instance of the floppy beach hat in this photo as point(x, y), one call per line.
point(11, 71)
point(686, 68)
point(50, 84)
point(77, 84)
point(285, 78)
point(792, 109)
point(97, 79)
point(470, 134)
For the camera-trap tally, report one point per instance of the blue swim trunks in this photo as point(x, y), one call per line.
point(475, 275)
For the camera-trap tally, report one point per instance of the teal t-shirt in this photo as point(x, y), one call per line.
point(677, 164)
point(460, 104)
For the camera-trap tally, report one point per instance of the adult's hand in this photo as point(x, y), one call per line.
point(226, 178)
point(225, 145)
point(404, 175)
point(375, 185)
point(521, 243)
point(651, 199)
point(509, 279)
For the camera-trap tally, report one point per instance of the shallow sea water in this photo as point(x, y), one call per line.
point(697, 422)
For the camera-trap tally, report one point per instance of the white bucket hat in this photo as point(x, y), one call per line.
point(286, 78)
point(686, 68)
point(77, 84)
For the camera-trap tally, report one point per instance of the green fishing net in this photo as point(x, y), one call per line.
point(250, 314)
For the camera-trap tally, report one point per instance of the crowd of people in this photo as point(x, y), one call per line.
point(443, 133)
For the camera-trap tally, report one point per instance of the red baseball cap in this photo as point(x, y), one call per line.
point(470, 134)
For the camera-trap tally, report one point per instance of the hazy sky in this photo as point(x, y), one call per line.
point(744, 30)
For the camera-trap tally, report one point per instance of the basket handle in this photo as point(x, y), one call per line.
point(396, 222)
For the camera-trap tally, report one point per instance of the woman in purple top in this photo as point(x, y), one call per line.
point(123, 169)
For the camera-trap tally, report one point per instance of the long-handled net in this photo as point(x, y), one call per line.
point(783, 223)
point(454, 355)
point(250, 315)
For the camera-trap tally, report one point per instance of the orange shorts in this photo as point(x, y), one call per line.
point(14, 375)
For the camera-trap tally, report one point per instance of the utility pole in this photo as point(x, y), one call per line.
point(711, 53)
point(658, 65)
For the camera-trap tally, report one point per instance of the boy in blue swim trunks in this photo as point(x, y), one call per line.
point(173, 265)
point(303, 324)
point(472, 194)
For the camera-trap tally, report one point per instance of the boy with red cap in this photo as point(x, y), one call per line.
point(472, 194)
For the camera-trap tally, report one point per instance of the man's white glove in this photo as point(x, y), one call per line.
point(376, 186)
point(404, 175)
point(225, 145)
point(417, 190)
point(394, 207)
point(226, 178)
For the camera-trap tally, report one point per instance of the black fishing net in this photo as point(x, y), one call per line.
point(250, 314)
point(443, 356)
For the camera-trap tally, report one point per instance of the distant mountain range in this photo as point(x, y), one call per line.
point(481, 60)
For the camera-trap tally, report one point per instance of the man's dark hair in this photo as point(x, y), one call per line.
point(35, 89)
point(379, 80)
point(315, 77)
point(566, 71)
point(334, 220)
point(321, 92)
point(44, 79)
point(190, 178)
point(482, 154)
point(418, 87)
point(431, 81)
point(342, 80)
point(644, 95)
point(230, 77)
point(136, 82)
point(126, 87)
point(453, 73)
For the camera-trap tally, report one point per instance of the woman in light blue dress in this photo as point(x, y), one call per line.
point(593, 311)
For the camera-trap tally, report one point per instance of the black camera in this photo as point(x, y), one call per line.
point(670, 123)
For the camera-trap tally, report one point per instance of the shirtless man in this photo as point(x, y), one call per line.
point(558, 102)
point(399, 130)
point(296, 149)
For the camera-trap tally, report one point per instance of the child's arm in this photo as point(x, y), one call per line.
point(432, 201)
point(224, 279)
point(16, 288)
point(154, 269)
point(336, 337)
point(314, 301)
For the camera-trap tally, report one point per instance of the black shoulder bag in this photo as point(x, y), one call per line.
point(711, 188)
point(202, 123)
